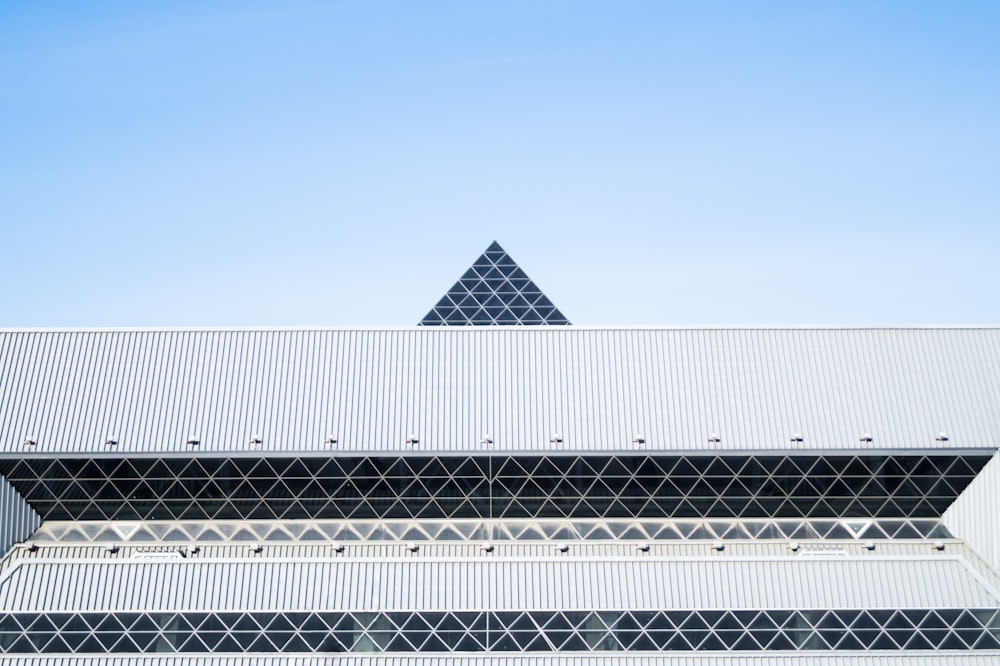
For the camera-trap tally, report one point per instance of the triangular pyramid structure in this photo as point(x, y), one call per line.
point(494, 292)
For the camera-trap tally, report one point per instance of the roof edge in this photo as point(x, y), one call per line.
point(483, 329)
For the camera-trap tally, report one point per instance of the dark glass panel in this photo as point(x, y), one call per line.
point(40, 639)
point(927, 466)
point(221, 642)
point(986, 641)
point(529, 479)
point(244, 639)
point(92, 469)
point(18, 470)
point(709, 642)
point(279, 638)
point(262, 643)
point(20, 643)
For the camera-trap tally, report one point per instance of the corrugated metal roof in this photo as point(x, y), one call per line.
point(985, 658)
point(894, 550)
point(493, 584)
point(598, 388)
point(595, 550)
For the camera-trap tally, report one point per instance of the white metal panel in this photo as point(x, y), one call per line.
point(480, 584)
point(17, 520)
point(598, 551)
point(973, 516)
point(597, 387)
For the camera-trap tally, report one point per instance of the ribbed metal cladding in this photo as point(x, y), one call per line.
point(17, 519)
point(730, 659)
point(235, 553)
point(597, 388)
point(973, 516)
point(401, 585)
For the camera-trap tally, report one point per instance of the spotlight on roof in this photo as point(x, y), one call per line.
point(797, 437)
point(112, 548)
point(869, 545)
point(794, 546)
point(556, 438)
point(413, 439)
point(29, 441)
point(714, 438)
point(942, 437)
point(412, 547)
point(639, 440)
point(866, 438)
point(255, 440)
point(718, 545)
point(486, 547)
point(330, 439)
point(643, 547)
point(337, 547)
point(487, 439)
point(255, 547)
point(939, 545)
point(32, 547)
point(193, 548)
point(562, 547)
point(193, 440)
point(111, 441)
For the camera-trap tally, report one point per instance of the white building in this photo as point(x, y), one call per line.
point(543, 493)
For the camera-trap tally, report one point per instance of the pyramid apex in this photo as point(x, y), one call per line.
point(495, 291)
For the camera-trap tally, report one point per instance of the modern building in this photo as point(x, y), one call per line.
point(497, 486)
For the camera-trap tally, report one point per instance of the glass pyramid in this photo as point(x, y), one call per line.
point(494, 292)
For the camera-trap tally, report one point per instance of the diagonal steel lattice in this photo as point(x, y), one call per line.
point(466, 530)
point(501, 631)
point(530, 486)
point(494, 292)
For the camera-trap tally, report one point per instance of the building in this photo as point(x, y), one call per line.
point(484, 494)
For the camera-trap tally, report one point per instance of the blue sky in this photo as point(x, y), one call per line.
point(342, 163)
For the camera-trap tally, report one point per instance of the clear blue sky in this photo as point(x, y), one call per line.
point(340, 163)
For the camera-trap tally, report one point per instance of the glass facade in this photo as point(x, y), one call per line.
point(507, 631)
point(494, 292)
point(183, 531)
point(436, 487)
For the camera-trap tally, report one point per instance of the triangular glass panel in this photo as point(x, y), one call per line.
point(938, 531)
point(43, 624)
point(731, 531)
point(952, 642)
point(496, 275)
point(712, 642)
point(699, 531)
point(494, 278)
point(804, 530)
point(680, 467)
point(987, 641)
point(454, 317)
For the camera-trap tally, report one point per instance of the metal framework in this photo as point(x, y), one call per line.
point(444, 632)
point(494, 291)
point(178, 531)
point(522, 486)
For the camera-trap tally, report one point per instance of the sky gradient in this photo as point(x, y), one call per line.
point(342, 163)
